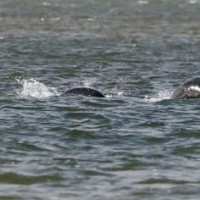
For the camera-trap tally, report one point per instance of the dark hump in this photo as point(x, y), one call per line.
point(83, 91)
point(188, 90)
point(193, 82)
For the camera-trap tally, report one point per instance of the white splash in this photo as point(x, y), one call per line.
point(162, 95)
point(193, 1)
point(88, 82)
point(114, 92)
point(120, 94)
point(194, 88)
point(35, 89)
point(142, 2)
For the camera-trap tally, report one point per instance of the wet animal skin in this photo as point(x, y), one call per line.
point(83, 91)
point(189, 89)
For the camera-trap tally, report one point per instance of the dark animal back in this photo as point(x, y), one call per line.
point(83, 91)
point(190, 89)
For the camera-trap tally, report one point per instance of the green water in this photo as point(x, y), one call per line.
point(137, 143)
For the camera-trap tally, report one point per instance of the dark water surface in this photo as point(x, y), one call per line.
point(137, 143)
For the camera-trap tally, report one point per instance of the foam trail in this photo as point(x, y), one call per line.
point(162, 95)
point(35, 89)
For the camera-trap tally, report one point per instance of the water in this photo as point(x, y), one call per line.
point(137, 143)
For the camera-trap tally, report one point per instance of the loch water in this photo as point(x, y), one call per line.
point(137, 142)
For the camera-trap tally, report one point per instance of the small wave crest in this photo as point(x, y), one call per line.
point(161, 95)
point(117, 94)
point(35, 89)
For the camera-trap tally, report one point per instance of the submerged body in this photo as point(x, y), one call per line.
point(83, 91)
point(190, 89)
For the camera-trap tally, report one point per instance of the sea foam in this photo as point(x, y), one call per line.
point(161, 95)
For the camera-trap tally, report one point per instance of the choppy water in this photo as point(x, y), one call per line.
point(137, 143)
